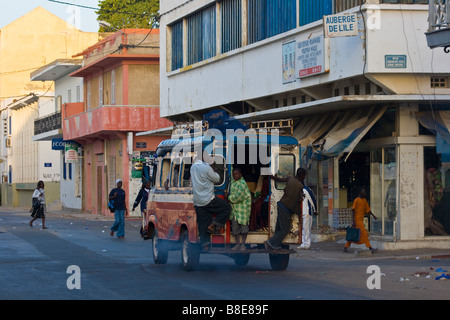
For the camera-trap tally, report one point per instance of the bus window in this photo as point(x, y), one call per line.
point(165, 169)
point(186, 172)
point(286, 168)
point(175, 175)
point(153, 177)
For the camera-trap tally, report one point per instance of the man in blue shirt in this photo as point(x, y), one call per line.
point(118, 195)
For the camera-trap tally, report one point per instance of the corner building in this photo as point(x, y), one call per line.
point(368, 99)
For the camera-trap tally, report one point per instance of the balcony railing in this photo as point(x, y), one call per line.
point(439, 14)
point(47, 123)
point(112, 118)
point(438, 34)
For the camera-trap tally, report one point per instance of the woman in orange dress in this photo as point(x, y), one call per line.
point(360, 209)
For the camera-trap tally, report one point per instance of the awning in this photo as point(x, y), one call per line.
point(333, 134)
point(438, 122)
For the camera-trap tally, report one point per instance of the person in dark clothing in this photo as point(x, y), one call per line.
point(118, 195)
point(288, 204)
point(142, 199)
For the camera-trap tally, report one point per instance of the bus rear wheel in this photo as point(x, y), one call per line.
point(160, 251)
point(190, 253)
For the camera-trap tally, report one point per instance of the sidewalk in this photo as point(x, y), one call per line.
point(332, 249)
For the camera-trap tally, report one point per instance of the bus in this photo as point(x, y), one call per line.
point(171, 218)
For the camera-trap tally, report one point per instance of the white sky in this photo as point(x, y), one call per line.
point(84, 19)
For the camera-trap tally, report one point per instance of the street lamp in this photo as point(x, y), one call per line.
point(124, 35)
point(105, 24)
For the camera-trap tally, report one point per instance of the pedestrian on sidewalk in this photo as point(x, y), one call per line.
point(118, 195)
point(39, 204)
point(360, 209)
point(309, 208)
point(289, 204)
point(241, 203)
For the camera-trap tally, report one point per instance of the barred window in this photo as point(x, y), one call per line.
point(177, 45)
point(201, 35)
point(267, 18)
point(231, 14)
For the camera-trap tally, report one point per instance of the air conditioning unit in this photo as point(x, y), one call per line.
point(8, 142)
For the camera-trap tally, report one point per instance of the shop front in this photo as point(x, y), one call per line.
point(390, 149)
point(436, 172)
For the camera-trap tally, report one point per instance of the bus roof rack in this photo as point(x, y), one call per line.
point(285, 126)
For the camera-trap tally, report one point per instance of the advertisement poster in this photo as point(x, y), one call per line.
point(310, 57)
point(71, 153)
point(288, 61)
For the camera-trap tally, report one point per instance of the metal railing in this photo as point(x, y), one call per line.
point(439, 14)
point(47, 123)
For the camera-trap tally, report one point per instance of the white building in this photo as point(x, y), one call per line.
point(25, 161)
point(356, 98)
point(68, 91)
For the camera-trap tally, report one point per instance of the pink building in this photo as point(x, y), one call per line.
point(121, 98)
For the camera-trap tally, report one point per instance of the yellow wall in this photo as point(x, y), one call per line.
point(32, 41)
point(144, 85)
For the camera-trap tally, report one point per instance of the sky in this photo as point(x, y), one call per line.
point(81, 18)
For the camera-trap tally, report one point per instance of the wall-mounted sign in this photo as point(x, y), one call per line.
point(58, 144)
point(310, 57)
point(341, 25)
point(71, 152)
point(288, 63)
point(395, 61)
point(141, 145)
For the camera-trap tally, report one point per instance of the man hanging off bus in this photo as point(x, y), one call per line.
point(290, 203)
point(206, 203)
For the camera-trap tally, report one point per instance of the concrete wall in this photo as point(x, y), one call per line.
point(255, 71)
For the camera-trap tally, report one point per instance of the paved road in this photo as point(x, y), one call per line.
point(34, 262)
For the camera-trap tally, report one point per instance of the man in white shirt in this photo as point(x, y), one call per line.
point(206, 203)
point(309, 208)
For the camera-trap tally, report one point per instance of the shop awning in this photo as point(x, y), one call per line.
point(438, 122)
point(333, 134)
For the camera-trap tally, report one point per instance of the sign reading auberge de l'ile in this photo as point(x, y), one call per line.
point(341, 25)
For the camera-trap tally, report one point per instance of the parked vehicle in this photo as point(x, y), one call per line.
point(171, 218)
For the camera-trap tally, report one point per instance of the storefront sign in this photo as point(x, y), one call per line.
point(341, 25)
point(71, 153)
point(58, 144)
point(310, 57)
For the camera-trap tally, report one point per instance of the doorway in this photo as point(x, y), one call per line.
point(436, 194)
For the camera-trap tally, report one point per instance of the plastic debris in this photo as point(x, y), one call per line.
point(443, 277)
point(403, 279)
point(441, 270)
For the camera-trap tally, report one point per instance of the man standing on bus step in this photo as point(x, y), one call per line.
point(206, 203)
point(290, 203)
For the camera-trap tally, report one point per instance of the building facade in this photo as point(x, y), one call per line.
point(68, 90)
point(121, 98)
point(26, 44)
point(361, 87)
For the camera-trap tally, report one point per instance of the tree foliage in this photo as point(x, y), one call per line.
point(128, 14)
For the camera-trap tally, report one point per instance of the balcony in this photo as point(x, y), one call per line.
point(108, 120)
point(438, 34)
point(48, 127)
